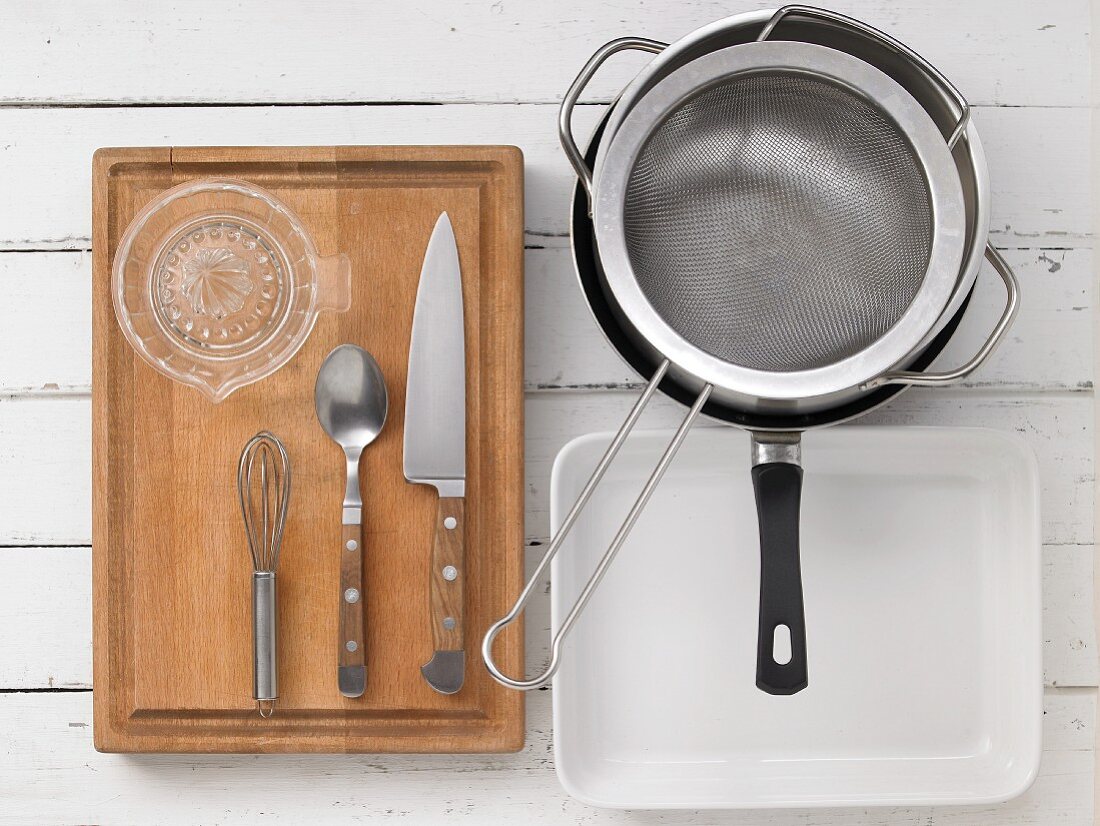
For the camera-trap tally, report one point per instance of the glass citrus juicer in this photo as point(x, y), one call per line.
point(217, 284)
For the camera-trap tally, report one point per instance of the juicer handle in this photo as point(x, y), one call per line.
point(609, 555)
point(565, 114)
point(334, 283)
point(781, 632)
point(1012, 306)
point(888, 41)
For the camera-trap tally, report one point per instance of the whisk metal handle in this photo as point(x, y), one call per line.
point(565, 114)
point(265, 685)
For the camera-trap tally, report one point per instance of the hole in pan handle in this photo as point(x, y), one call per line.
point(565, 114)
point(895, 45)
point(609, 555)
point(1012, 306)
point(781, 644)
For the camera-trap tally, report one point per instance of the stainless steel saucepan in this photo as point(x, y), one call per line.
point(782, 231)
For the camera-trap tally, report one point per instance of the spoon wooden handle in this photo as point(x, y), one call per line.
point(352, 654)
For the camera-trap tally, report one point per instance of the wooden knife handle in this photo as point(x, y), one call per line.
point(448, 574)
point(352, 651)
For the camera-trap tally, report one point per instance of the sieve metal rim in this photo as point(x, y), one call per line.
point(887, 96)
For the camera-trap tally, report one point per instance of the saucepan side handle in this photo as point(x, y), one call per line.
point(565, 114)
point(895, 45)
point(1012, 306)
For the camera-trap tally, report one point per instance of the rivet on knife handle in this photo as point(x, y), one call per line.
point(445, 671)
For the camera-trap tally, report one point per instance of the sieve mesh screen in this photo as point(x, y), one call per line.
point(778, 221)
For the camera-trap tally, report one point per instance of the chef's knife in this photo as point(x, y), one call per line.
point(435, 444)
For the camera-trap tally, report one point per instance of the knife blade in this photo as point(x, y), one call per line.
point(435, 444)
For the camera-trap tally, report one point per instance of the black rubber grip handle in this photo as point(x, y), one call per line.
point(778, 487)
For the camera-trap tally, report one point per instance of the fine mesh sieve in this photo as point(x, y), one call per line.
point(778, 221)
point(781, 220)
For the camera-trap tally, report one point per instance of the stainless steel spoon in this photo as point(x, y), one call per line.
point(351, 400)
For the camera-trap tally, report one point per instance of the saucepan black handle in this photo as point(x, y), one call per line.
point(778, 487)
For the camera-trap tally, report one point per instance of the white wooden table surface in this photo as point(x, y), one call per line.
point(76, 76)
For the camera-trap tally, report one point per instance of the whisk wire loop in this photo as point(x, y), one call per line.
point(264, 507)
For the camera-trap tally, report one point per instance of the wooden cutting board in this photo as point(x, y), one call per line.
point(172, 572)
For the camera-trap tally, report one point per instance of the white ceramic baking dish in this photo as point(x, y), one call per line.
point(921, 564)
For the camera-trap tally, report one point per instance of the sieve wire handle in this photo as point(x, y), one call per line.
point(895, 45)
point(609, 555)
point(1012, 306)
point(565, 114)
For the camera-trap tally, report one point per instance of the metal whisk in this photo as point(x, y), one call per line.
point(263, 487)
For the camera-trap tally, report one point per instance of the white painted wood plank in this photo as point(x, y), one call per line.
point(45, 618)
point(45, 461)
point(511, 50)
point(46, 154)
point(1050, 346)
point(1069, 628)
point(46, 323)
point(1057, 426)
point(1038, 181)
point(57, 777)
point(45, 472)
point(1038, 159)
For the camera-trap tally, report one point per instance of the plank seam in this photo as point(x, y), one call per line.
point(530, 233)
point(79, 392)
point(41, 103)
point(529, 543)
point(78, 690)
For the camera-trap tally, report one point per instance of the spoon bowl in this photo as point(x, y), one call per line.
point(351, 398)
